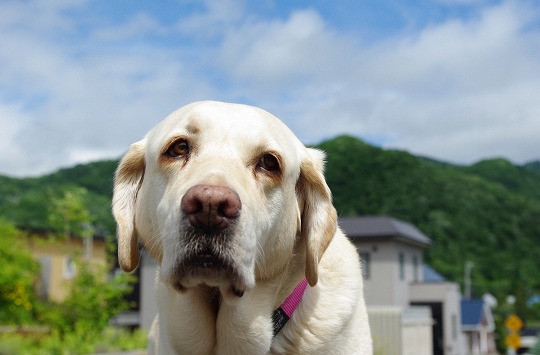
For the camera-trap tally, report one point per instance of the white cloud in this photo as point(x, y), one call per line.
point(73, 89)
point(35, 15)
point(81, 97)
point(277, 54)
point(459, 90)
point(470, 84)
point(11, 123)
point(214, 18)
point(140, 25)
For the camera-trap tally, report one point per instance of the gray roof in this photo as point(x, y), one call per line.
point(383, 227)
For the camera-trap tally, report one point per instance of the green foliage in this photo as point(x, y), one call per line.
point(24, 204)
point(110, 340)
point(93, 300)
point(18, 272)
point(523, 180)
point(118, 339)
point(533, 166)
point(90, 289)
point(500, 314)
point(535, 350)
point(95, 177)
point(68, 214)
point(79, 325)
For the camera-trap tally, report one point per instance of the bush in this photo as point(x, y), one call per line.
point(18, 272)
point(93, 300)
point(111, 339)
point(79, 325)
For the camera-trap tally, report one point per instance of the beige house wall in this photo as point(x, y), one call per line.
point(56, 258)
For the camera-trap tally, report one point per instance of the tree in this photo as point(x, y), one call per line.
point(18, 272)
point(69, 216)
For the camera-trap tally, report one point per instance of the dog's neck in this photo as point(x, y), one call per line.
point(281, 315)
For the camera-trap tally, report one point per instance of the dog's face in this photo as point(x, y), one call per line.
point(223, 195)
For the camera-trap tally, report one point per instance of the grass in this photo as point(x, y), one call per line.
point(111, 340)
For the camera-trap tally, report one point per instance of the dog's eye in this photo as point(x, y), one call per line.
point(269, 163)
point(179, 148)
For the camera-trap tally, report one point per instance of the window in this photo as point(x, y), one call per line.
point(365, 259)
point(69, 267)
point(401, 266)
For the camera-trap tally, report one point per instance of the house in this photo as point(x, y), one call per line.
point(478, 325)
point(57, 259)
point(443, 298)
point(391, 251)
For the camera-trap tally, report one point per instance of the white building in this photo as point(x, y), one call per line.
point(391, 251)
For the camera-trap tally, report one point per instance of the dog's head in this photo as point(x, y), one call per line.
point(222, 194)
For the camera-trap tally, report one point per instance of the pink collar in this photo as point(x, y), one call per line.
point(287, 308)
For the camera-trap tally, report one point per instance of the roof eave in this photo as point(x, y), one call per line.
point(398, 238)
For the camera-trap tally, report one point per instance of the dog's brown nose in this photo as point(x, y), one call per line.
point(211, 207)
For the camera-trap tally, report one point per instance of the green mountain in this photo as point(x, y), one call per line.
point(533, 166)
point(523, 180)
point(487, 213)
point(27, 202)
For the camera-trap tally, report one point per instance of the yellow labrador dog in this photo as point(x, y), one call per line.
point(238, 214)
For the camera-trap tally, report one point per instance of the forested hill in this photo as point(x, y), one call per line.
point(27, 202)
point(488, 213)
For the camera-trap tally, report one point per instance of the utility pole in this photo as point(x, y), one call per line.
point(88, 241)
point(468, 284)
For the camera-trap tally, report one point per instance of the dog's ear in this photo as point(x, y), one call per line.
point(318, 215)
point(128, 179)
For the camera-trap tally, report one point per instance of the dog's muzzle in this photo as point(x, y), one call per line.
point(211, 211)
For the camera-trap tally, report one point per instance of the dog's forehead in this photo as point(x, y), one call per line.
point(219, 122)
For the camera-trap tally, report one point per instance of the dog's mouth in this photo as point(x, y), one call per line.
point(211, 271)
point(208, 268)
point(207, 261)
point(211, 258)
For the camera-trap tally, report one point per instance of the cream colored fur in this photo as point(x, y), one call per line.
point(286, 231)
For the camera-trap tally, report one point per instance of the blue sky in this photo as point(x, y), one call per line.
point(455, 80)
